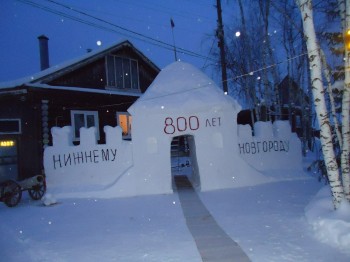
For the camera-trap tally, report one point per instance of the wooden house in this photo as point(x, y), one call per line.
point(295, 106)
point(94, 90)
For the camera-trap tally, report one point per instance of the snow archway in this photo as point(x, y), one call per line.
point(184, 159)
point(182, 100)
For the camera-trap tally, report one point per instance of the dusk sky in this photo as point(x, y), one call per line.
point(22, 21)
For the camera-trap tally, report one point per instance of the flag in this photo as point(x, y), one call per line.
point(172, 23)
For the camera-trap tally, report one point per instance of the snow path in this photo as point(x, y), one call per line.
point(212, 242)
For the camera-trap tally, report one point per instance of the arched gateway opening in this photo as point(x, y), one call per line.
point(184, 166)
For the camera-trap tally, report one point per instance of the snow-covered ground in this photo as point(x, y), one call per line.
point(282, 221)
point(269, 221)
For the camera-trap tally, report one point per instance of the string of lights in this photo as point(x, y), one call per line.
point(251, 73)
point(209, 84)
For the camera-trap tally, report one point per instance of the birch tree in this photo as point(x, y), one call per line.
point(327, 74)
point(344, 9)
point(318, 92)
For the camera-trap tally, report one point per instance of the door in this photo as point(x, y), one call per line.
point(184, 160)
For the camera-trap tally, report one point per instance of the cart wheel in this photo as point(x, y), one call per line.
point(13, 193)
point(37, 191)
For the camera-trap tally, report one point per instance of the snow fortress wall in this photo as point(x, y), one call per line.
point(88, 166)
point(273, 147)
point(110, 170)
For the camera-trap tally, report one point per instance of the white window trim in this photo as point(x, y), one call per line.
point(128, 136)
point(19, 131)
point(115, 75)
point(85, 113)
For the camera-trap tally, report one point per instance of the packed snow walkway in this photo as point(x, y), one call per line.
point(212, 242)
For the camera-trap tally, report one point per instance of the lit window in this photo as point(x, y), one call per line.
point(84, 119)
point(124, 121)
point(122, 73)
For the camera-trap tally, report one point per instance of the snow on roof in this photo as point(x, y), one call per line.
point(182, 86)
point(86, 90)
point(35, 78)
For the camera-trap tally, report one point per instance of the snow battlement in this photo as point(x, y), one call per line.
point(63, 136)
point(88, 164)
point(273, 146)
point(277, 129)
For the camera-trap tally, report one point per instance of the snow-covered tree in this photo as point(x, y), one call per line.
point(318, 91)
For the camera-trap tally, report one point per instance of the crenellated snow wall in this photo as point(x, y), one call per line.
point(88, 166)
point(109, 169)
point(273, 146)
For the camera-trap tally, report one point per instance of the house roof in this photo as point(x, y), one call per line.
point(288, 84)
point(40, 79)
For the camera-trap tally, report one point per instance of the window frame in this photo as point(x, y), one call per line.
point(18, 120)
point(131, 78)
point(86, 113)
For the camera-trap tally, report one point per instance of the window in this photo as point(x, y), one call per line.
point(298, 121)
point(84, 119)
point(124, 121)
point(122, 73)
point(10, 126)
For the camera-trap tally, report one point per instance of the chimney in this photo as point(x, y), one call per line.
point(44, 52)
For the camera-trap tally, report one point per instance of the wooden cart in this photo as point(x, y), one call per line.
point(11, 191)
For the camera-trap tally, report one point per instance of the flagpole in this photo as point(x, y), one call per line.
point(172, 31)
